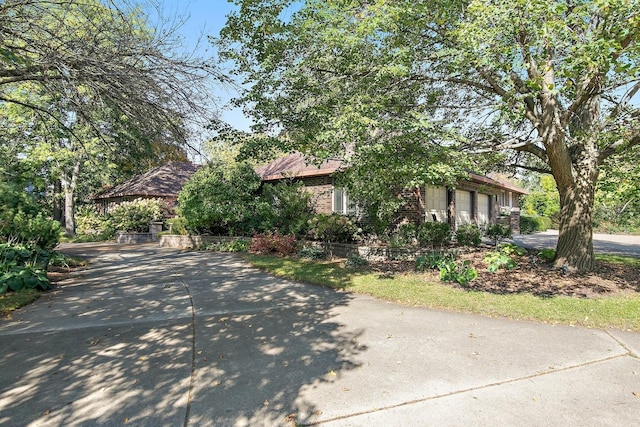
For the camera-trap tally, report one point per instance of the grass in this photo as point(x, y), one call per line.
point(415, 290)
point(14, 300)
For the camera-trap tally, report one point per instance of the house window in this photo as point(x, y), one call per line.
point(341, 203)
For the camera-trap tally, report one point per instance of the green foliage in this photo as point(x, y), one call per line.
point(468, 235)
point(356, 261)
point(273, 243)
point(91, 223)
point(221, 200)
point(177, 226)
point(21, 218)
point(284, 208)
point(433, 234)
point(23, 267)
point(497, 232)
point(496, 259)
point(312, 253)
point(433, 260)
point(547, 254)
point(333, 228)
point(135, 216)
point(512, 249)
point(543, 199)
point(533, 224)
point(235, 245)
point(461, 273)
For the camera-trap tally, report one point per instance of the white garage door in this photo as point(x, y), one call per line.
point(463, 207)
point(483, 209)
point(436, 204)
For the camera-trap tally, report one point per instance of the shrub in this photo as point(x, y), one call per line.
point(284, 208)
point(312, 253)
point(333, 228)
point(221, 200)
point(356, 261)
point(433, 260)
point(22, 219)
point(461, 273)
point(497, 232)
point(433, 234)
point(90, 222)
point(468, 235)
point(533, 224)
point(136, 215)
point(236, 245)
point(273, 243)
point(177, 225)
point(23, 267)
point(404, 236)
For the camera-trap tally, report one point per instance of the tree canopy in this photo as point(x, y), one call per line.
point(91, 91)
point(407, 84)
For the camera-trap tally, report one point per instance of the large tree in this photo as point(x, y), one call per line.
point(551, 83)
point(89, 82)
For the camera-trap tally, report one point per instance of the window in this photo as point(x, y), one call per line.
point(341, 203)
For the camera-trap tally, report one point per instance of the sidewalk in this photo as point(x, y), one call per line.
point(156, 337)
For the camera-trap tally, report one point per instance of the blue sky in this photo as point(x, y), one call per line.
point(204, 17)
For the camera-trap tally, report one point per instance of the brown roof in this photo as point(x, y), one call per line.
point(163, 181)
point(295, 165)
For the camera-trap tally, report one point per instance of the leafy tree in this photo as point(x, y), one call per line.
point(91, 92)
point(543, 199)
point(548, 85)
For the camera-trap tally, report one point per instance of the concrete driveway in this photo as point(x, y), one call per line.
point(156, 337)
point(616, 244)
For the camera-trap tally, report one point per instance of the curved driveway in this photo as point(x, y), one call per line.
point(157, 337)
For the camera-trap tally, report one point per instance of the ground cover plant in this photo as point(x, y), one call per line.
point(533, 289)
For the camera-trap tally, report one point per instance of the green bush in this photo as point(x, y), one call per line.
point(433, 234)
point(135, 216)
point(91, 223)
point(177, 226)
point(468, 235)
point(434, 260)
point(333, 228)
point(497, 232)
point(236, 245)
point(22, 218)
point(221, 200)
point(461, 273)
point(284, 208)
point(312, 253)
point(533, 224)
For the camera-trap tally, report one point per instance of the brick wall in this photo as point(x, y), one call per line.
point(321, 188)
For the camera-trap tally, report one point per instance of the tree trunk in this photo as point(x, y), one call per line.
point(69, 185)
point(575, 242)
point(57, 202)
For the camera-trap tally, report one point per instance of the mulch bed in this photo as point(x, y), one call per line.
point(535, 276)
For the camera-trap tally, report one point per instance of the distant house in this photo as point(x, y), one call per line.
point(163, 182)
point(480, 199)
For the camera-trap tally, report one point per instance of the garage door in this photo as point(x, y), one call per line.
point(483, 209)
point(463, 207)
point(436, 204)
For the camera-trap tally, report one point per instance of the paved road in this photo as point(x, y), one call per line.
point(156, 337)
point(615, 244)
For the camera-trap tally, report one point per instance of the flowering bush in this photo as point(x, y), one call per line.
point(333, 228)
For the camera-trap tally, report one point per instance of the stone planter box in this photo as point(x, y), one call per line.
point(191, 242)
point(126, 238)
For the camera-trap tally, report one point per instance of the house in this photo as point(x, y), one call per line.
point(163, 182)
point(479, 200)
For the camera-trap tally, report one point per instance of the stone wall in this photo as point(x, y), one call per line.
point(192, 242)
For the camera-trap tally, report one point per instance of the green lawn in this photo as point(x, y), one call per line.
point(415, 290)
point(14, 300)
